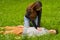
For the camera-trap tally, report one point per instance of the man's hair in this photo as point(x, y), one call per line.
point(31, 10)
point(38, 3)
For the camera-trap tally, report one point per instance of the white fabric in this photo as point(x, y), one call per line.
point(31, 31)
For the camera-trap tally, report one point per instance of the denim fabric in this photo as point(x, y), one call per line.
point(27, 21)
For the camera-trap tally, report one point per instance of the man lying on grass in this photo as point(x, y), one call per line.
point(30, 31)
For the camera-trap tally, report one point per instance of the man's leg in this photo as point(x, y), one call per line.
point(36, 20)
point(26, 22)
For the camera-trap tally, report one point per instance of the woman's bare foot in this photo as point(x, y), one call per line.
point(1, 31)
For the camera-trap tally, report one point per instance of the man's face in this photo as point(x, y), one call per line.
point(38, 7)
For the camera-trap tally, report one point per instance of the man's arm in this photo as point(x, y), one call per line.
point(33, 22)
point(39, 18)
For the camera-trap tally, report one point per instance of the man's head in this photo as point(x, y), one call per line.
point(38, 6)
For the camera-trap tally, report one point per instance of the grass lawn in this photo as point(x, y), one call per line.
point(12, 14)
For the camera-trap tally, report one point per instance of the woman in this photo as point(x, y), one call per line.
point(31, 31)
point(33, 14)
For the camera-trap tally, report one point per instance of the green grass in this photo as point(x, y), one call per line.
point(12, 13)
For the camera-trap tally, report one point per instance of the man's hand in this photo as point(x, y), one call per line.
point(39, 29)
